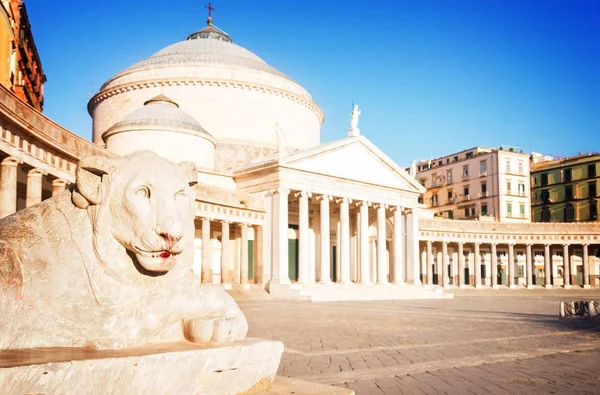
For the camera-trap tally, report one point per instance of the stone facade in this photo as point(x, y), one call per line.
point(478, 183)
point(566, 190)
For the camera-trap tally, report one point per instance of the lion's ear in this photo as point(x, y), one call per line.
point(189, 172)
point(88, 176)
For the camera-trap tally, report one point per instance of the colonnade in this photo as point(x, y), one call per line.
point(431, 265)
point(9, 167)
point(229, 255)
point(317, 267)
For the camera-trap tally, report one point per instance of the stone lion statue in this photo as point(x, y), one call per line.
point(107, 263)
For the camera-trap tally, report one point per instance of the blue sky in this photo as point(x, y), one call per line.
point(431, 77)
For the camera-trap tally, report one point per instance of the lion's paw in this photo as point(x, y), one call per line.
point(216, 330)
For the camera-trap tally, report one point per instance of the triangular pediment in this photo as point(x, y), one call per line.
point(353, 159)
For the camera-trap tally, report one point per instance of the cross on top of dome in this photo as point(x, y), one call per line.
point(210, 31)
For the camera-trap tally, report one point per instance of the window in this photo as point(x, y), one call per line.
point(440, 163)
point(465, 171)
point(484, 209)
point(521, 189)
point(450, 214)
point(545, 214)
point(569, 212)
point(434, 200)
point(422, 181)
point(483, 188)
point(545, 196)
point(592, 170)
point(508, 189)
point(449, 176)
point(592, 189)
point(456, 158)
point(466, 211)
point(447, 160)
point(593, 209)
point(483, 168)
point(449, 194)
point(508, 165)
point(466, 191)
point(472, 211)
point(509, 209)
point(544, 180)
point(420, 200)
point(434, 180)
point(469, 155)
point(520, 167)
point(522, 210)
point(569, 192)
point(567, 175)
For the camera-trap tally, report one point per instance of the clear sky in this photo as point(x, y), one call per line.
point(431, 77)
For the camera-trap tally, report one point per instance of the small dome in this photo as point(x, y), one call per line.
point(160, 113)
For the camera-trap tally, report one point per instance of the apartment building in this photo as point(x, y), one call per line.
point(566, 190)
point(480, 183)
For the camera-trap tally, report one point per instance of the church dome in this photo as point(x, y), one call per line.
point(226, 88)
point(161, 126)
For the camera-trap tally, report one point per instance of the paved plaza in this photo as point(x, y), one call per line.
point(499, 342)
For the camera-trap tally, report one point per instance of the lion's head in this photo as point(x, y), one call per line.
point(141, 207)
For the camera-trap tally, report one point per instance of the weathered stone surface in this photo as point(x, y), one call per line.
point(288, 386)
point(107, 264)
point(180, 368)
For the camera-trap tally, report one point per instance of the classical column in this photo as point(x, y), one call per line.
point(8, 186)
point(510, 272)
point(566, 267)
point(445, 261)
point(325, 276)
point(381, 247)
point(34, 187)
point(412, 247)
point(547, 267)
point(279, 236)
point(58, 186)
point(365, 261)
point(259, 266)
point(494, 264)
point(429, 263)
point(303, 236)
point(529, 264)
point(477, 266)
point(207, 264)
point(244, 253)
point(586, 267)
point(345, 241)
point(398, 250)
point(225, 253)
point(461, 265)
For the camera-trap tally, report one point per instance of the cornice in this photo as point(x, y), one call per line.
point(224, 83)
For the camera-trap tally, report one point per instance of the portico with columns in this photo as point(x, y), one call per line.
point(339, 214)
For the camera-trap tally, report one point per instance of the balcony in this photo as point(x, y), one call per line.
point(465, 177)
point(483, 194)
point(483, 174)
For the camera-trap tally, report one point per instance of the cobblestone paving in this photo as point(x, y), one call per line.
point(478, 343)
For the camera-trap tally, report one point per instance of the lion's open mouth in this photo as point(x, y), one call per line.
point(157, 254)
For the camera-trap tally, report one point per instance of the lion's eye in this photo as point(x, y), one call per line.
point(180, 193)
point(143, 192)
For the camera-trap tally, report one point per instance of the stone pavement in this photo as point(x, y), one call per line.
point(484, 341)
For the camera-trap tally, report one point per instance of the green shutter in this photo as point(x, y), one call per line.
point(250, 259)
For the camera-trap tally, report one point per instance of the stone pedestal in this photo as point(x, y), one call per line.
point(165, 368)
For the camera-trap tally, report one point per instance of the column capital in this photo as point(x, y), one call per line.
point(361, 203)
point(281, 191)
point(343, 200)
point(585, 244)
point(58, 182)
point(303, 194)
point(323, 197)
point(224, 221)
point(460, 243)
point(10, 161)
point(242, 224)
point(35, 172)
point(257, 227)
point(394, 208)
point(566, 245)
point(477, 243)
point(380, 205)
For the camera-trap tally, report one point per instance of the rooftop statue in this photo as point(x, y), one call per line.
point(354, 117)
point(107, 263)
